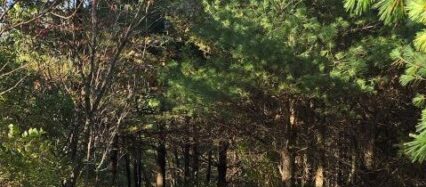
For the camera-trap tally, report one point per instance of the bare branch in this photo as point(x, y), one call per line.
point(14, 86)
point(12, 71)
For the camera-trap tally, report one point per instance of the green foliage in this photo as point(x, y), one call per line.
point(420, 41)
point(416, 10)
point(416, 149)
point(415, 67)
point(236, 66)
point(390, 11)
point(27, 159)
point(364, 62)
point(419, 100)
point(358, 6)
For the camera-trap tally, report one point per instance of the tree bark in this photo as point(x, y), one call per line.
point(351, 177)
point(195, 156)
point(177, 166)
point(114, 162)
point(287, 163)
point(137, 171)
point(161, 161)
point(128, 172)
point(209, 168)
point(319, 178)
point(186, 172)
point(195, 162)
point(222, 164)
point(147, 176)
point(286, 168)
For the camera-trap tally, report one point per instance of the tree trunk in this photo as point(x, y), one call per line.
point(128, 172)
point(319, 175)
point(306, 173)
point(186, 172)
point(369, 154)
point(195, 162)
point(351, 177)
point(195, 155)
point(74, 137)
point(160, 180)
point(161, 161)
point(319, 178)
point(288, 154)
point(222, 164)
point(209, 168)
point(114, 163)
point(147, 176)
point(137, 171)
point(286, 168)
point(177, 166)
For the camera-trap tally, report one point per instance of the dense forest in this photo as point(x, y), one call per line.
point(133, 93)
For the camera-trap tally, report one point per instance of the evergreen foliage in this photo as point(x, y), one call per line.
point(212, 93)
